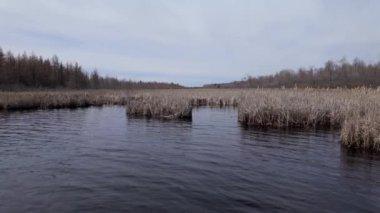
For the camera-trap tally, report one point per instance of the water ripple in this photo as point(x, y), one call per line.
point(98, 160)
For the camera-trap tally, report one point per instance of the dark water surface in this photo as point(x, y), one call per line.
point(98, 160)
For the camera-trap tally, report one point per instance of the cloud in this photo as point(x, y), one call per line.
point(192, 42)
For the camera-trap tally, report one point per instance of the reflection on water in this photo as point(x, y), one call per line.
point(98, 160)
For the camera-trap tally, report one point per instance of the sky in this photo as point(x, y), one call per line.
point(192, 42)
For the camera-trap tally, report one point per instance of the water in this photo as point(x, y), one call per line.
point(98, 160)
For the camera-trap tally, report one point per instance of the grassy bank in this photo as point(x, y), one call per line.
point(83, 98)
point(356, 111)
point(60, 99)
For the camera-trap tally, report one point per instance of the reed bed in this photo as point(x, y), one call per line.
point(160, 106)
point(177, 104)
point(355, 111)
point(361, 128)
point(59, 99)
point(197, 97)
point(84, 98)
point(293, 108)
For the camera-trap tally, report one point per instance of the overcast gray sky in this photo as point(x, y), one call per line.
point(192, 42)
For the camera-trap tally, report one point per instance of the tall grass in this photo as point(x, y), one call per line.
point(160, 106)
point(356, 112)
point(293, 108)
point(59, 99)
point(196, 97)
point(178, 104)
point(361, 128)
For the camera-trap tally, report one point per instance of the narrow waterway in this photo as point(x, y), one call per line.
point(98, 160)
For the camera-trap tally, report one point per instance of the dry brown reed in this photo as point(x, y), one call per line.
point(160, 106)
point(356, 111)
point(59, 99)
point(361, 128)
point(197, 97)
point(178, 104)
point(83, 98)
point(292, 108)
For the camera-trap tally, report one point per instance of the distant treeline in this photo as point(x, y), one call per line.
point(34, 72)
point(332, 75)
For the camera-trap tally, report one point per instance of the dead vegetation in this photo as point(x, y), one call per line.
point(59, 99)
point(159, 106)
point(177, 104)
point(361, 128)
point(355, 111)
point(293, 108)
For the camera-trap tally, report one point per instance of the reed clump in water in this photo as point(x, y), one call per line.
point(361, 129)
point(355, 111)
point(178, 104)
point(362, 133)
point(162, 107)
point(291, 108)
